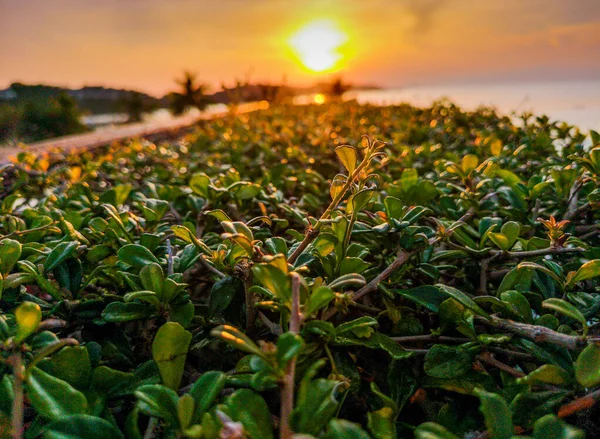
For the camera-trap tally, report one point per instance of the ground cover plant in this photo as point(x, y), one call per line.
point(277, 274)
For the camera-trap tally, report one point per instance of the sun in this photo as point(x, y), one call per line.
point(317, 45)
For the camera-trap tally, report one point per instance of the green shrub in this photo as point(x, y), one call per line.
point(54, 118)
point(9, 122)
point(261, 275)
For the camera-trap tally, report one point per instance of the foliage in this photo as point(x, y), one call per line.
point(191, 95)
point(38, 120)
point(262, 275)
point(135, 104)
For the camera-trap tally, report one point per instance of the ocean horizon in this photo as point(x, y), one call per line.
point(574, 102)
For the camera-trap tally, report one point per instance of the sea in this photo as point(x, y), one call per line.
point(574, 102)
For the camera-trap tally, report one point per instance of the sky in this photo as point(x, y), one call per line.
point(146, 44)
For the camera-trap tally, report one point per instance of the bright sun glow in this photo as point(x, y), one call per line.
point(318, 45)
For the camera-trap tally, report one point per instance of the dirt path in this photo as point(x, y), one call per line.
point(95, 139)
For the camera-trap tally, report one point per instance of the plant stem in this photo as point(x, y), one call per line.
point(582, 403)
point(402, 257)
point(429, 338)
point(539, 334)
point(539, 252)
point(313, 232)
point(25, 232)
point(273, 327)
point(330, 358)
point(211, 268)
point(149, 434)
point(486, 357)
point(169, 258)
point(572, 214)
point(17, 408)
point(287, 387)
point(248, 296)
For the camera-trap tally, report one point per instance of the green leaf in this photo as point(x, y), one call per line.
point(444, 361)
point(352, 265)
point(547, 374)
point(356, 326)
point(347, 156)
point(340, 428)
point(393, 207)
point(315, 406)
point(518, 304)
point(123, 312)
point(319, 298)
point(500, 240)
point(427, 295)
point(62, 251)
point(81, 427)
point(517, 278)
point(222, 293)
point(431, 430)
point(273, 275)
point(587, 366)
point(463, 299)
point(7, 395)
point(359, 201)
point(498, 418)
point(550, 426)
point(188, 236)
point(145, 296)
point(158, 401)
point(565, 308)
point(587, 271)
point(205, 392)
point(511, 230)
point(468, 163)
point(185, 410)
point(236, 338)
point(136, 255)
point(289, 346)
point(116, 195)
point(169, 350)
point(10, 252)
point(251, 410)
point(337, 185)
point(352, 279)
point(28, 316)
point(381, 423)
point(375, 340)
point(153, 278)
point(218, 214)
point(53, 398)
point(408, 179)
point(534, 266)
point(325, 243)
point(199, 184)
point(106, 380)
point(244, 190)
point(72, 364)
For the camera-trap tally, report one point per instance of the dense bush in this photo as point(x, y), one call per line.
point(38, 120)
point(261, 275)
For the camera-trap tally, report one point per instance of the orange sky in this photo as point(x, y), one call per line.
point(145, 44)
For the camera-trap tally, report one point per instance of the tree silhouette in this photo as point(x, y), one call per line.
point(338, 87)
point(192, 94)
point(135, 105)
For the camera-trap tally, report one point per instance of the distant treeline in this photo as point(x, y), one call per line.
point(90, 99)
point(36, 112)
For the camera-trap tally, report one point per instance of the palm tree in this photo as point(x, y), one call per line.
point(193, 94)
point(338, 87)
